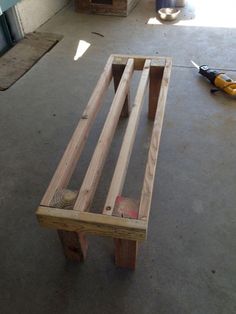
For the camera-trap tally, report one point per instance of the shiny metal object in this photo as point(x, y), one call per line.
point(195, 64)
point(168, 14)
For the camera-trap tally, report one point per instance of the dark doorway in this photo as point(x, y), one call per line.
point(6, 39)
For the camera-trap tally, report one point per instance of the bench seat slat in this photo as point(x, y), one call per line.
point(149, 177)
point(75, 147)
point(94, 171)
point(127, 144)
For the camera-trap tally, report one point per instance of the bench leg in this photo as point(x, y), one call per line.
point(117, 72)
point(74, 245)
point(126, 253)
point(125, 250)
point(156, 74)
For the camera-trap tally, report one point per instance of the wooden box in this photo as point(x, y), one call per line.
point(106, 7)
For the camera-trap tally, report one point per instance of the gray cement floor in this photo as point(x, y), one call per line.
point(188, 263)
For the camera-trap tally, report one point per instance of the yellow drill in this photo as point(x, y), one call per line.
point(218, 79)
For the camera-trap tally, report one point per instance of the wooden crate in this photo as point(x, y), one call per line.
point(121, 218)
point(106, 7)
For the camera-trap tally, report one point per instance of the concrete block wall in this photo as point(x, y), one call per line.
point(33, 13)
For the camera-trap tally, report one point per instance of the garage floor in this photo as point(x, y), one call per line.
point(188, 263)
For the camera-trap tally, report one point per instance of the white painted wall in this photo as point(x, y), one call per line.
point(33, 13)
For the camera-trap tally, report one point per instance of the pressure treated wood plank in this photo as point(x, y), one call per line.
point(126, 250)
point(72, 220)
point(117, 72)
point(146, 195)
point(138, 60)
point(75, 147)
point(94, 171)
point(64, 198)
point(126, 253)
point(127, 145)
point(156, 74)
point(74, 243)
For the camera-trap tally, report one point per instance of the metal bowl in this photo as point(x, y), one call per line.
point(168, 14)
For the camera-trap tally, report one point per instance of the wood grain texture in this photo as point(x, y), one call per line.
point(127, 144)
point(126, 253)
point(94, 171)
point(75, 147)
point(126, 250)
point(90, 223)
point(19, 59)
point(64, 198)
point(118, 7)
point(117, 72)
point(146, 195)
point(138, 60)
point(74, 244)
point(156, 74)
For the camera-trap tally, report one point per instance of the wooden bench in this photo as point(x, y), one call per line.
point(121, 218)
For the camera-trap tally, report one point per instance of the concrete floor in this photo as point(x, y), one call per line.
point(188, 263)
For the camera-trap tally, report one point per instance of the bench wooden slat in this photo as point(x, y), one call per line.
point(127, 145)
point(73, 220)
point(146, 195)
point(138, 60)
point(118, 67)
point(94, 171)
point(75, 147)
point(156, 75)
